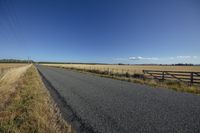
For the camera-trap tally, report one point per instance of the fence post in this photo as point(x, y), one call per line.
point(163, 75)
point(127, 73)
point(191, 78)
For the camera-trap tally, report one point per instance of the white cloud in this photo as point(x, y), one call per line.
point(172, 59)
point(120, 59)
point(143, 58)
point(194, 57)
point(183, 57)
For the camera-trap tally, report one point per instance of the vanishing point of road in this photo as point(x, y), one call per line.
point(96, 104)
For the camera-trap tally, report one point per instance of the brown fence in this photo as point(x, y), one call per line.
point(190, 77)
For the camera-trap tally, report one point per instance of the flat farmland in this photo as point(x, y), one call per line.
point(4, 67)
point(131, 69)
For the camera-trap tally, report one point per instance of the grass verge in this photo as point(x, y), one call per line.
point(30, 109)
point(138, 78)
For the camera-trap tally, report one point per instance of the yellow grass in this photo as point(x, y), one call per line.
point(136, 69)
point(4, 67)
point(11, 65)
point(8, 83)
point(26, 105)
point(131, 69)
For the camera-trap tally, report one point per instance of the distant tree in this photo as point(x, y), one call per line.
point(15, 61)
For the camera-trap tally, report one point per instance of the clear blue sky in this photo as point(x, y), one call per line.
point(110, 31)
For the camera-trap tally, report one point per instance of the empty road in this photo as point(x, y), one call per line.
point(96, 104)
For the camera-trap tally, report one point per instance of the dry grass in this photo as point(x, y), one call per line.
point(116, 71)
point(174, 85)
point(11, 65)
point(27, 106)
point(4, 67)
point(8, 84)
point(131, 69)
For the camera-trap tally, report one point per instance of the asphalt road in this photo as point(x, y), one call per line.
point(97, 104)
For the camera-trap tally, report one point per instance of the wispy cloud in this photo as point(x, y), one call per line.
point(172, 59)
point(143, 58)
point(194, 57)
point(184, 57)
point(120, 59)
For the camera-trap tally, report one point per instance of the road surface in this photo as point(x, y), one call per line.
point(96, 104)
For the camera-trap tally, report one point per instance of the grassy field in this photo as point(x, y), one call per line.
point(134, 69)
point(113, 71)
point(26, 106)
point(4, 67)
point(10, 65)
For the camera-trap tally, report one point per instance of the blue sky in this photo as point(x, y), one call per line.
point(105, 31)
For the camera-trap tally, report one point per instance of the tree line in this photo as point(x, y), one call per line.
point(15, 61)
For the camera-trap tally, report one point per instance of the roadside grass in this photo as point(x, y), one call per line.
point(30, 108)
point(4, 67)
point(139, 78)
point(173, 85)
point(131, 69)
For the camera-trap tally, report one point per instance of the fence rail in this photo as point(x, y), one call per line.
point(190, 77)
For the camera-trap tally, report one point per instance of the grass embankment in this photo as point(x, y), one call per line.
point(139, 78)
point(28, 106)
point(174, 85)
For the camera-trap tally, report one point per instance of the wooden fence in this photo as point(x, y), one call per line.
point(190, 77)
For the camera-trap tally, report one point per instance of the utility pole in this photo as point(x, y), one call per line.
point(29, 60)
